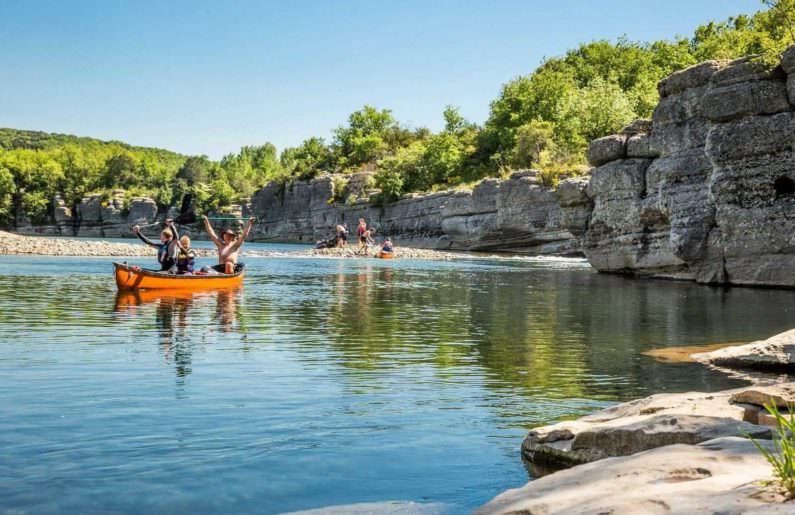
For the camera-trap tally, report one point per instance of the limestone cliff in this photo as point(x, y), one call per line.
point(518, 214)
point(706, 190)
point(95, 217)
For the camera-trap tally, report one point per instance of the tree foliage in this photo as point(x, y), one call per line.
point(541, 120)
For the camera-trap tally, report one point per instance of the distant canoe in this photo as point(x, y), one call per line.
point(385, 255)
point(135, 278)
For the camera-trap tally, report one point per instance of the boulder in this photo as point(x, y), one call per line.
point(639, 126)
point(606, 149)
point(692, 77)
point(782, 395)
point(722, 475)
point(642, 145)
point(775, 353)
point(788, 60)
point(575, 205)
point(639, 425)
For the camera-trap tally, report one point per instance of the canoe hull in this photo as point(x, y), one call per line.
point(385, 255)
point(133, 278)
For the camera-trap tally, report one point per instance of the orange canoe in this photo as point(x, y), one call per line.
point(385, 255)
point(134, 278)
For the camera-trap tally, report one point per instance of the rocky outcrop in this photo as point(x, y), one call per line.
point(667, 453)
point(706, 191)
point(723, 475)
point(776, 353)
point(96, 216)
point(518, 214)
point(639, 425)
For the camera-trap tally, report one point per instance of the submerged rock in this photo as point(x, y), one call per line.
point(775, 353)
point(722, 475)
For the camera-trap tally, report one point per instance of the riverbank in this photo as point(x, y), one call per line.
point(11, 244)
point(352, 252)
point(667, 453)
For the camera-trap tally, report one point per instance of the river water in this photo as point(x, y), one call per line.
point(327, 382)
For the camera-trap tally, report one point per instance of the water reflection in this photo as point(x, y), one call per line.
point(177, 330)
point(330, 382)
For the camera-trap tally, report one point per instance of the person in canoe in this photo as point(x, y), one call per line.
point(186, 257)
point(228, 245)
point(166, 249)
point(387, 246)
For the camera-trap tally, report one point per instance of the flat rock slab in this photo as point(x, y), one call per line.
point(775, 353)
point(717, 476)
point(782, 395)
point(384, 507)
point(643, 424)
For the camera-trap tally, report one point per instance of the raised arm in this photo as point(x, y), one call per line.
point(210, 232)
point(175, 234)
point(137, 231)
point(247, 230)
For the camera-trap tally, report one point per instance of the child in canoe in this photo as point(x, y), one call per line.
point(166, 249)
point(228, 245)
point(186, 257)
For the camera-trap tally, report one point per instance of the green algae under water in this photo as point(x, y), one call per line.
point(327, 382)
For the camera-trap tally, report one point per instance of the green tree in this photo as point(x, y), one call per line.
point(364, 139)
point(307, 160)
point(7, 191)
point(194, 170)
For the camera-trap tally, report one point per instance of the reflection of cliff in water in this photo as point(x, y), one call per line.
point(558, 335)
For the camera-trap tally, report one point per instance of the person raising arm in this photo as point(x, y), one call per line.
point(165, 249)
point(228, 245)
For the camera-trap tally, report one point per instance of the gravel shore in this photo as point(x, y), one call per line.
point(352, 252)
point(11, 243)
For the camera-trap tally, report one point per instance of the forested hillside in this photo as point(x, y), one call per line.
point(542, 120)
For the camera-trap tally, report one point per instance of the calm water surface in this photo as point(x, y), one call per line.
point(326, 382)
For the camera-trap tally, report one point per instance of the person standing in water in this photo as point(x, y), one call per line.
point(228, 245)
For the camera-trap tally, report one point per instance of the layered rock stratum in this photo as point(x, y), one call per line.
point(517, 214)
point(705, 190)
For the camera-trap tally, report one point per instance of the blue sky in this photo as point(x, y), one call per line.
point(204, 77)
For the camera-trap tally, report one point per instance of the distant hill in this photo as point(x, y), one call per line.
point(11, 139)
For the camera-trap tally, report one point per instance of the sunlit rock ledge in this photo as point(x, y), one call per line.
point(667, 453)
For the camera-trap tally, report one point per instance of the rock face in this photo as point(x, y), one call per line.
point(707, 191)
point(96, 217)
point(775, 353)
point(717, 476)
point(515, 215)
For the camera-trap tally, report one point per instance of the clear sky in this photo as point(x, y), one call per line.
point(205, 77)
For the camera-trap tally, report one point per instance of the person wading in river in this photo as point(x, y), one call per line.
point(228, 245)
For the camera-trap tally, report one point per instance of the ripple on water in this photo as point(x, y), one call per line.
point(326, 382)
